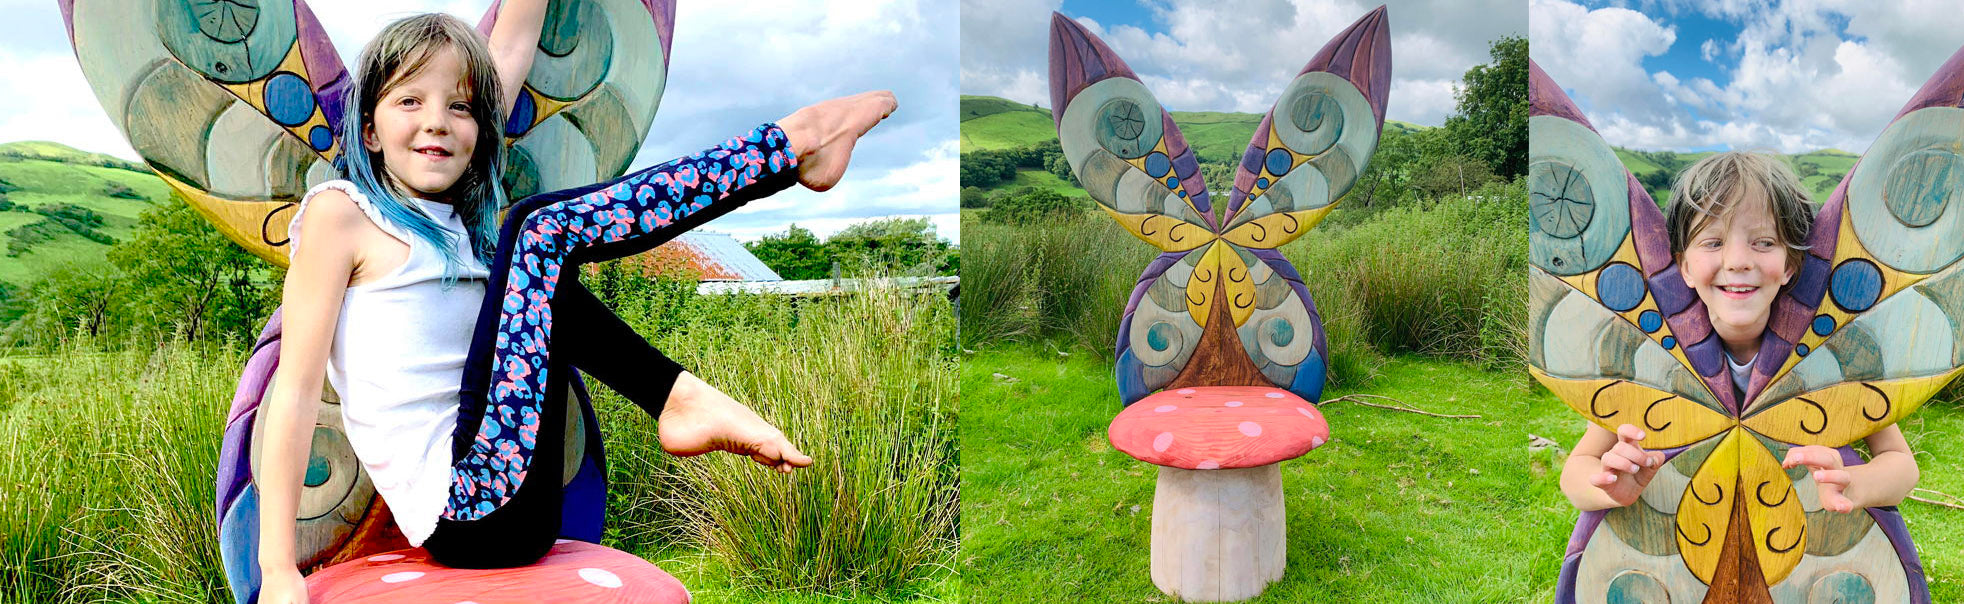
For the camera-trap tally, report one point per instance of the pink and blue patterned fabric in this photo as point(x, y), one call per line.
point(629, 216)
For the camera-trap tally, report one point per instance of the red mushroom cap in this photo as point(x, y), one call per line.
point(1216, 427)
point(573, 571)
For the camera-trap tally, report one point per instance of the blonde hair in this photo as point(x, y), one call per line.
point(401, 51)
point(1714, 187)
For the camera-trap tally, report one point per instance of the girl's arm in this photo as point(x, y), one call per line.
point(1886, 479)
point(311, 302)
point(1608, 469)
point(513, 38)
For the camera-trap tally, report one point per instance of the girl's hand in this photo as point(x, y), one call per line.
point(1829, 476)
point(823, 134)
point(1626, 467)
point(283, 586)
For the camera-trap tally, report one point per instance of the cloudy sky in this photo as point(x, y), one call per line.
point(1740, 74)
point(735, 65)
point(1212, 55)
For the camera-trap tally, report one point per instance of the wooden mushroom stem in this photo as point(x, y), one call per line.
point(1218, 535)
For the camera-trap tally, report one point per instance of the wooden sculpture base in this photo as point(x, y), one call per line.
point(1218, 535)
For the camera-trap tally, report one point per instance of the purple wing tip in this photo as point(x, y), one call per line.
point(1545, 97)
point(663, 12)
point(1944, 88)
point(68, 18)
point(1361, 54)
point(1078, 59)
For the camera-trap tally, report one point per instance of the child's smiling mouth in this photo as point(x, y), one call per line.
point(433, 151)
point(1738, 292)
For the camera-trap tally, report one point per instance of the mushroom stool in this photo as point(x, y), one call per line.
point(573, 571)
point(1218, 531)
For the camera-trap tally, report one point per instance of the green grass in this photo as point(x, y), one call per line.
point(1397, 507)
point(1039, 179)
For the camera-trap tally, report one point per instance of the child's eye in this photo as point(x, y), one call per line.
point(408, 101)
point(464, 107)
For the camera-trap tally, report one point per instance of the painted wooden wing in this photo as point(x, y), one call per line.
point(1136, 165)
point(596, 80)
point(235, 105)
point(1307, 152)
point(1619, 337)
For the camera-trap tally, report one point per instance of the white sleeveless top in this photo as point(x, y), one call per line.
point(397, 358)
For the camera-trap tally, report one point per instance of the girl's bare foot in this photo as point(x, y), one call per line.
point(823, 134)
point(698, 418)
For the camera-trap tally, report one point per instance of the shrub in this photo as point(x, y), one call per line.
point(1031, 205)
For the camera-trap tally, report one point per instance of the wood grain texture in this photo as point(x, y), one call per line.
point(1219, 360)
point(1218, 536)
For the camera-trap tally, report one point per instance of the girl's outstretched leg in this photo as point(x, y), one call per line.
point(626, 217)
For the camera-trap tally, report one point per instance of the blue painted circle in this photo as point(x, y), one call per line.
point(1261, 183)
point(318, 471)
point(1172, 183)
point(320, 137)
point(1670, 342)
point(1650, 320)
point(1280, 331)
point(288, 99)
point(522, 112)
point(1632, 586)
point(1842, 586)
point(1823, 325)
point(1183, 193)
point(1802, 350)
point(1279, 161)
point(1620, 287)
point(1855, 285)
point(1158, 335)
point(1157, 164)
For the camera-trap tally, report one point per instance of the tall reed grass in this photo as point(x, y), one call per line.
point(1446, 278)
point(107, 457)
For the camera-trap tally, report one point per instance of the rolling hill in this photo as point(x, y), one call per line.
point(37, 176)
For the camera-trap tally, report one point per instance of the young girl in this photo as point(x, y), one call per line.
point(1737, 221)
point(438, 333)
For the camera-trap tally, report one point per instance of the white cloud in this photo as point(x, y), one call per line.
point(1236, 56)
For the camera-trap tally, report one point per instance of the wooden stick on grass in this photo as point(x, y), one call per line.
point(1948, 504)
point(1356, 398)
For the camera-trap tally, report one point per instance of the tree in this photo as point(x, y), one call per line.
point(1491, 120)
point(195, 283)
point(973, 197)
point(1452, 176)
point(1031, 205)
point(795, 254)
point(890, 244)
point(72, 299)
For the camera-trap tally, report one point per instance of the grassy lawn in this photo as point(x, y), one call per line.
point(1397, 508)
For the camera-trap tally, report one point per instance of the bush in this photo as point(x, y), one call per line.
point(1031, 206)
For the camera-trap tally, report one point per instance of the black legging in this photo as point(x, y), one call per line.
point(589, 337)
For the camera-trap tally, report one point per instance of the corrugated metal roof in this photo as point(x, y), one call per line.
point(711, 256)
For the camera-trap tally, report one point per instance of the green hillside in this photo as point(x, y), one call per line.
point(40, 175)
point(1820, 171)
point(997, 123)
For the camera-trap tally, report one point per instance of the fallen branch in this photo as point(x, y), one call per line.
point(1357, 398)
point(1947, 504)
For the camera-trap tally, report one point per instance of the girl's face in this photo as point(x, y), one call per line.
point(424, 129)
point(1737, 265)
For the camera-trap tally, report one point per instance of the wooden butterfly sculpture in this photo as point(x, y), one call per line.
point(1870, 327)
point(237, 105)
point(1220, 306)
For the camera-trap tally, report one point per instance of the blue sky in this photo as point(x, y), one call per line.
point(1215, 55)
point(1742, 74)
point(735, 65)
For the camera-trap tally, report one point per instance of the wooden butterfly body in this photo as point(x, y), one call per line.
point(1220, 306)
point(1870, 327)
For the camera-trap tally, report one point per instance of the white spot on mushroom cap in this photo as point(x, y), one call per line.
point(408, 575)
point(1162, 442)
point(1164, 408)
point(1316, 441)
point(1251, 428)
point(1186, 391)
point(1273, 395)
point(559, 541)
point(385, 557)
point(600, 577)
point(1232, 403)
point(1307, 412)
point(1208, 465)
